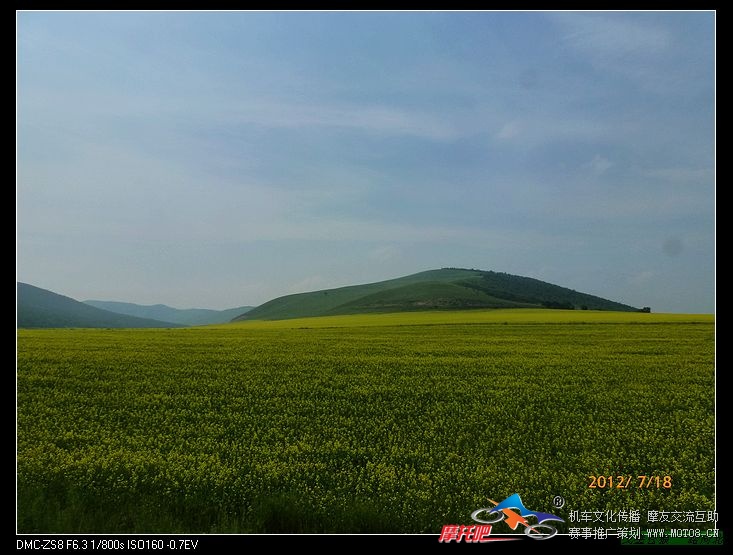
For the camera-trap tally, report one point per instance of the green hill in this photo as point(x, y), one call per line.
point(40, 308)
point(449, 288)
point(187, 316)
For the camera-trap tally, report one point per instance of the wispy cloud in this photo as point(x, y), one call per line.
point(605, 36)
point(638, 47)
point(509, 130)
point(680, 174)
point(539, 128)
point(365, 118)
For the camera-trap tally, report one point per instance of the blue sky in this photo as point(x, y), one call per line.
point(223, 159)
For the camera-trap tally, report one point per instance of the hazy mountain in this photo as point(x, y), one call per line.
point(40, 308)
point(187, 317)
point(449, 288)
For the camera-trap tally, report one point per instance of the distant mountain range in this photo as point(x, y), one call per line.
point(40, 308)
point(186, 317)
point(448, 288)
point(445, 289)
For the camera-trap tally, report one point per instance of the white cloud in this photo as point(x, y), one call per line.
point(598, 165)
point(509, 130)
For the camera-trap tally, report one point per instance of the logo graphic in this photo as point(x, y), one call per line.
point(503, 510)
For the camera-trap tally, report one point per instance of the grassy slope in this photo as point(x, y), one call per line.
point(319, 303)
point(422, 296)
point(435, 289)
point(40, 308)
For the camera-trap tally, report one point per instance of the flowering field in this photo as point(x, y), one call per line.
point(373, 423)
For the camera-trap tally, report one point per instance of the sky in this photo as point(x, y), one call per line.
point(221, 159)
